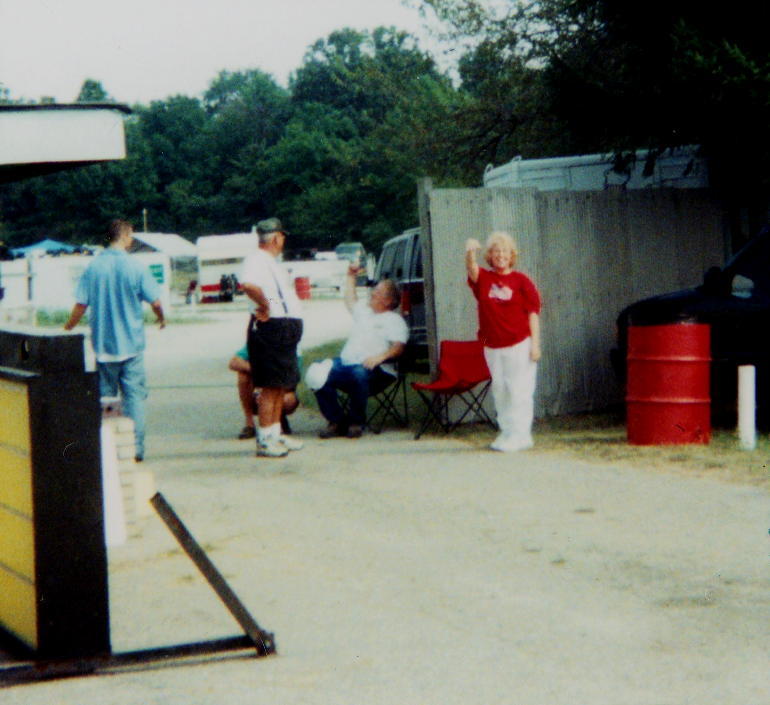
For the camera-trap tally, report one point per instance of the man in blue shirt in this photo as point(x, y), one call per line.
point(115, 285)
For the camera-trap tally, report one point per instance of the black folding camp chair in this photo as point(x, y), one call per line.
point(386, 402)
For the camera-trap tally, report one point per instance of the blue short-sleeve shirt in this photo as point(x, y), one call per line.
point(114, 286)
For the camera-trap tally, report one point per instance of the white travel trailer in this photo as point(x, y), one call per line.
point(674, 168)
point(221, 256)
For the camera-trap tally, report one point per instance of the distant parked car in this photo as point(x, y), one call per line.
point(735, 301)
point(354, 252)
point(401, 261)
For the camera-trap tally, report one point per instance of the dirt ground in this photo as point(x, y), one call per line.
point(395, 571)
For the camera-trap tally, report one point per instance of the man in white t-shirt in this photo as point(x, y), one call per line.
point(365, 364)
point(274, 333)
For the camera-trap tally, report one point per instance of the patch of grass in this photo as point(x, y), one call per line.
point(601, 437)
point(173, 319)
point(52, 318)
point(580, 423)
point(56, 318)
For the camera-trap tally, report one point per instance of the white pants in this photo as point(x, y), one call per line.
point(513, 389)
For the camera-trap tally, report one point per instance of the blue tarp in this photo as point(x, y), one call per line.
point(46, 245)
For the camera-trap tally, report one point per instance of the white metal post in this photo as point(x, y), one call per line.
point(747, 406)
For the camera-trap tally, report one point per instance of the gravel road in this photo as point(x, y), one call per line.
point(404, 572)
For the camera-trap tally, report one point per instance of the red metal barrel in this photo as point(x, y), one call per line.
point(302, 287)
point(668, 389)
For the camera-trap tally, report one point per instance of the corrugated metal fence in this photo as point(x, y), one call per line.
point(590, 254)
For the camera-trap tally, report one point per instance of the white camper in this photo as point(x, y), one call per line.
point(221, 256)
point(675, 168)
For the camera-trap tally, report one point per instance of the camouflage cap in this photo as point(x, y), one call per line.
point(271, 225)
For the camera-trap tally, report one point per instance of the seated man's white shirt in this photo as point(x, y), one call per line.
point(372, 334)
point(264, 271)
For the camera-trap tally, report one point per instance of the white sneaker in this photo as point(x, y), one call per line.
point(507, 444)
point(272, 448)
point(291, 443)
point(500, 442)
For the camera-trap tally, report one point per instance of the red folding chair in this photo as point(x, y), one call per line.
point(461, 368)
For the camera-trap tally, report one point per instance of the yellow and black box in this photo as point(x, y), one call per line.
point(53, 559)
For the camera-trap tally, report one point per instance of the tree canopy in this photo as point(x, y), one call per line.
point(556, 77)
point(337, 153)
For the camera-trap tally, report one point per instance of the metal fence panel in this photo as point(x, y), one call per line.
point(590, 254)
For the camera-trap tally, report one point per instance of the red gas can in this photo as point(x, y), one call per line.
point(302, 287)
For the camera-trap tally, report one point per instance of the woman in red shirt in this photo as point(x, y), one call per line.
point(509, 327)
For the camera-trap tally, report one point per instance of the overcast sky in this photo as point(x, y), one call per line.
point(144, 50)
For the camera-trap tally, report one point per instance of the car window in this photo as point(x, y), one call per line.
point(400, 251)
point(416, 259)
point(385, 268)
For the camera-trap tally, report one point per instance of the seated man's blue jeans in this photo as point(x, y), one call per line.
point(358, 383)
point(127, 376)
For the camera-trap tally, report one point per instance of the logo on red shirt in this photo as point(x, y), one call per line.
point(502, 293)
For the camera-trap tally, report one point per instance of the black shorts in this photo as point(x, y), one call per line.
point(273, 352)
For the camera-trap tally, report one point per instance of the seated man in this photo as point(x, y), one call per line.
point(247, 395)
point(379, 335)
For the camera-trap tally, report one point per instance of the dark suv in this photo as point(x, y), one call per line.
point(735, 301)
point(401, 261)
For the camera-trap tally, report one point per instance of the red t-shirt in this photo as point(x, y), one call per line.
point(504, 302)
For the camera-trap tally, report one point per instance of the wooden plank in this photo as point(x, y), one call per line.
point(14, 415)
point(17, 543)
point(18, 608)
point(16, 481)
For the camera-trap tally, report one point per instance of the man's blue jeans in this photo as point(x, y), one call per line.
point(357, 382)
point(128, 377)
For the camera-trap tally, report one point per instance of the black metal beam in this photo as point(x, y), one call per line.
point(263, 641)
point(35, 671)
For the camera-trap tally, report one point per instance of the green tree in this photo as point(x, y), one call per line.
point(245, 107)
point(611, 75)
point(311, 158)
point(387, 106)
point(92, 91)
point(247, 114)
point(360, 73)
point(170, 133)
point(501, 114)
point(337, 156)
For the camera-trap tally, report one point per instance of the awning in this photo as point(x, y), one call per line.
point(42, 139)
